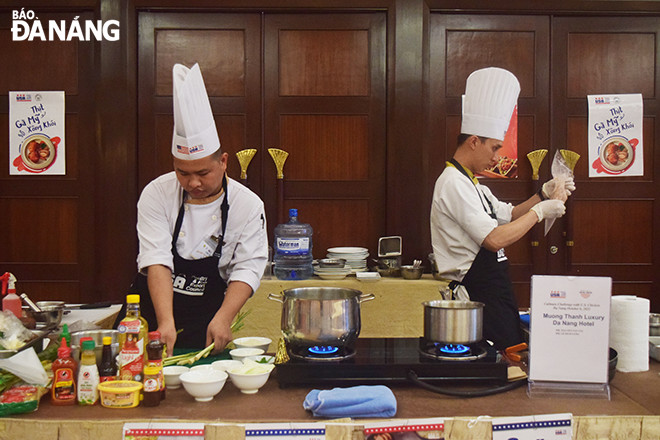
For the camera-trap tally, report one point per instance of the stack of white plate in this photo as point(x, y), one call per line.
point(331, 273)
point(356, 257)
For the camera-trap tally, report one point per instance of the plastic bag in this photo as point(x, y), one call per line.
point(13, 335)
point(559, 169)
point(21, 398)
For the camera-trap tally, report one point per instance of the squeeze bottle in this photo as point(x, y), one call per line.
point(11, 301)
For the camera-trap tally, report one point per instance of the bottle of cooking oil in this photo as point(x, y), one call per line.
point(132, 338)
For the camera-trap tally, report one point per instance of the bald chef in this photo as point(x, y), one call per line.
point(203, 241)
point(470, 227)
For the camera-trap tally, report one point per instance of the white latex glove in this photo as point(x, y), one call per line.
point(548, 187)
point(548, 209)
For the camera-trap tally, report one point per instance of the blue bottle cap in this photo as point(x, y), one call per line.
point(293, 212)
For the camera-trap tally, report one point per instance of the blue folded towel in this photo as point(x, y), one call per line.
point(356, 402)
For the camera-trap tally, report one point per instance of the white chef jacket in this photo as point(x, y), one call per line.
point(245, 253)
point(459, 222)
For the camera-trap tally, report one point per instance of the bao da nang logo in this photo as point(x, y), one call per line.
point(26, 26)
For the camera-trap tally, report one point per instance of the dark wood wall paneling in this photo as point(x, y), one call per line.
point(362, 178)
point(47, 222)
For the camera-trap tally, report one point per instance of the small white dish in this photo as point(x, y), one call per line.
point(248, 383)
point(253, 342)
point(172, 373)
point(203, 385)
point(238, 354)
point(367, 276)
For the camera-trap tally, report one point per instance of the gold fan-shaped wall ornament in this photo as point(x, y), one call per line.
point(279, 157)
point(244, 158)
point(571, 158)
point(535, 158)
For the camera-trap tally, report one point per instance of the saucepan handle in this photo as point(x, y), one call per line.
point(366, 297)
point(279, 297)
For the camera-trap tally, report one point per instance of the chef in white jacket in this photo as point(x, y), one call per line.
point(203, 240)
point(470, 227)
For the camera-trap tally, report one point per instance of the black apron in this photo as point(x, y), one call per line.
point(488, 281)
point(192, 313)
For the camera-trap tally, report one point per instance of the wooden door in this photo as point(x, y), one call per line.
point(612, 219)
point(227, 48)
point(460, 44)
point(47, 222)
point(324, 79)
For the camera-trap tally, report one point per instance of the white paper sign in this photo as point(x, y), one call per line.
point(288, 431)
point(36, 133)
point(616, 147)
point(569, 328)
point(545, 426)
point(163, 431)
point(406, 429)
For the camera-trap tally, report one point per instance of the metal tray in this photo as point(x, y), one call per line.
point(37, 343)
point(654, 347)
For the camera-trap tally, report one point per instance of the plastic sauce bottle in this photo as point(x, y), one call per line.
point(108, 368)
point(11, 302)
point(66, 335)
point(63, 391)
point(88, 375)
point(152, 392)
point(293, 249)
point(132, 341)
point(155, 359)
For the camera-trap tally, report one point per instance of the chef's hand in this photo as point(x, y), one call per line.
point(218, 332)
point(550, 208)
point(550, 186)
point(168, 336)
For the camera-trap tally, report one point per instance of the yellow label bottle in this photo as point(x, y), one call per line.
point(132, 338)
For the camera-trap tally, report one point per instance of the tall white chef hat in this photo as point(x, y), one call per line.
point(195, 135)
point(490, 96)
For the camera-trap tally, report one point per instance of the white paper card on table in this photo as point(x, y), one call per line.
point(405, 429)
point(285, 431)
point(544, 426)
point(163, 431)
point(569, 329)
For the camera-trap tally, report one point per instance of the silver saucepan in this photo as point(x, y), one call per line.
point(320, 315)
point(453, 322)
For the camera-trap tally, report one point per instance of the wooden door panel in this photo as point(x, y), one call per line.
point(324, 62)
point(611, 219)
point(325, 105)
point(227, 48)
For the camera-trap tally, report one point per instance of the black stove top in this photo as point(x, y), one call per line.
point(389, 361)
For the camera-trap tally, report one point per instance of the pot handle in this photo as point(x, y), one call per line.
point(365, 297)
point(279, 297)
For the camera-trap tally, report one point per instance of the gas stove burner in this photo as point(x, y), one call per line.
point(323, 349)
point(453, 348)
point(322, 353)
point(451, 352)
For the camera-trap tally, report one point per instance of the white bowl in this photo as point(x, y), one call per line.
point(172, 374)
point(203, 385)
point(238, 354)
point(253, 342)
point(226, 365)
point(202, 367)
point(249, 383)
point(260, 359)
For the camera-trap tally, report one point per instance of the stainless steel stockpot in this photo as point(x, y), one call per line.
point(453, 322)
point(320, 315)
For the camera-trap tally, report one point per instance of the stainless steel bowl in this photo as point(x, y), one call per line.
point(654, 324)
point(97, 336)
point(51, 312)
point(332, 262)
point(409, 272)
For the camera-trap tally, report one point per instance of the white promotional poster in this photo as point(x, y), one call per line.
point(543, 426)
point(36, 133)
point(569, 329)
point(616, 147)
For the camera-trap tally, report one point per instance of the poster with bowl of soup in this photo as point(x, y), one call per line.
point(36, 133)
point(615, 135)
